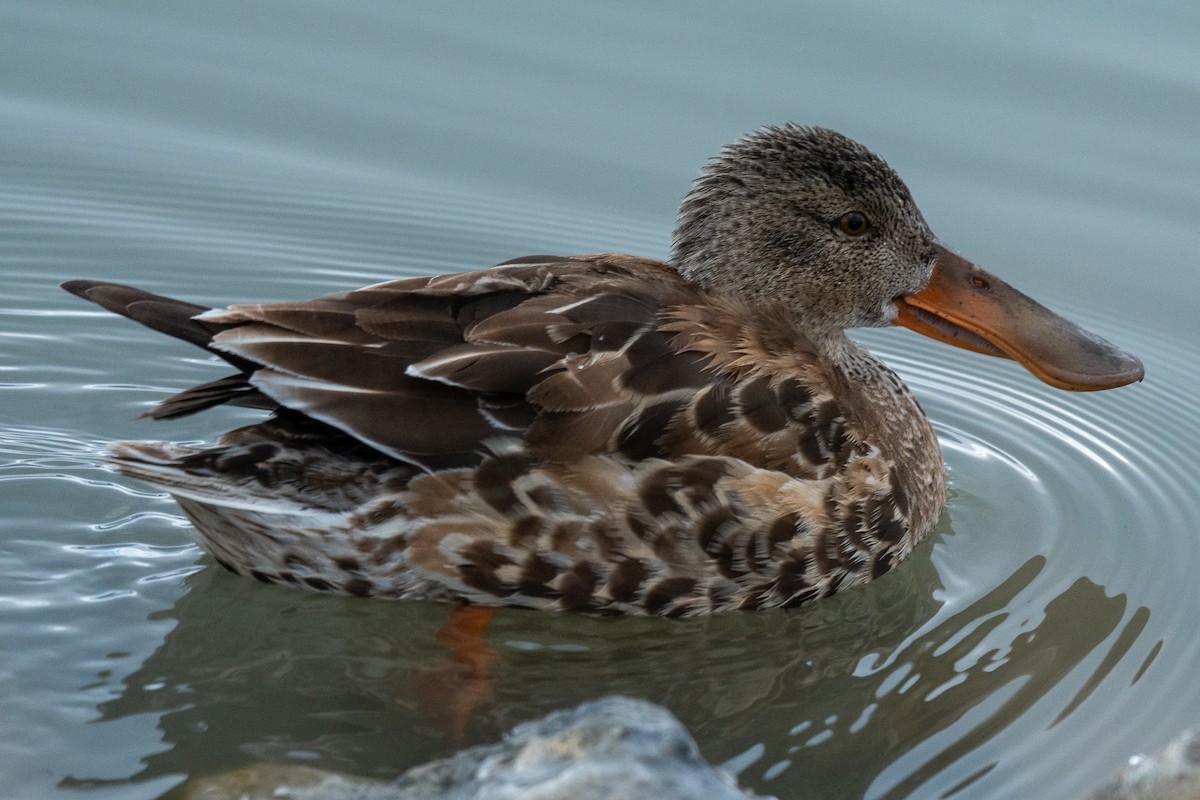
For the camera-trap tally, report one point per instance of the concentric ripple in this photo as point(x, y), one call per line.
point(1068, 576)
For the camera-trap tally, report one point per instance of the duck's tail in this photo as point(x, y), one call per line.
point(163, 314)
point(177, 318)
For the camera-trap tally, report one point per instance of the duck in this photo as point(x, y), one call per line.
point(605, 433)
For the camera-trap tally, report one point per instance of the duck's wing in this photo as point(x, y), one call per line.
point(429, 369)
point(572, 356)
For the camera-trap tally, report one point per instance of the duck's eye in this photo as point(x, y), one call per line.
point(854, 223)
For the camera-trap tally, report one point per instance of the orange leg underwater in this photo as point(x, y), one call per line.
point(456, 690)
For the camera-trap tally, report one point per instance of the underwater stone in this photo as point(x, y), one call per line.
point(1172, 773)
point(614, 748)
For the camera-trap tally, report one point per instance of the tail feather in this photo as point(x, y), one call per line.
point(163, 314)
point(163, 464)
point(232, 390)
point(167, 315)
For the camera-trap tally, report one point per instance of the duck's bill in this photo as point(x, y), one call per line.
point(970, 308)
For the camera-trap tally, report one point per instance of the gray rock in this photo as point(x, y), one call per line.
point(271, 782)
point(1172, 773)
point(609, 749)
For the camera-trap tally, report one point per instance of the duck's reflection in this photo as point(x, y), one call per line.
point(877, 689)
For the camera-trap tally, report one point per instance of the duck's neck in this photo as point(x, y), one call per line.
point(892, 421)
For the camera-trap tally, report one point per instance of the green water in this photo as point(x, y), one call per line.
point(239, 151)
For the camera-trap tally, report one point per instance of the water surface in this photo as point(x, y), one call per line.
point(247, 151)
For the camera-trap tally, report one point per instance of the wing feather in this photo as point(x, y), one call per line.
point(487, 368)
point(597, 354)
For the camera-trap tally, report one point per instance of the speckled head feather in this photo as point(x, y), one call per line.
point(762, 222)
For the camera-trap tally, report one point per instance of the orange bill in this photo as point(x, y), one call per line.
point(967, 307)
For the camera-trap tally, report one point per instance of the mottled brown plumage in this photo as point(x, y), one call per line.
point(598, 433)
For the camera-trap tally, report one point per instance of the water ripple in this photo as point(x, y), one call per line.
point(1097, 499)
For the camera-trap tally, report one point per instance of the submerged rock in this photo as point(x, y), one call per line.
point(609, 749)
point(1172, 773)
point(273, 782)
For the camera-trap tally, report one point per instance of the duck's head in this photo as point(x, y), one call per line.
point(812, 219)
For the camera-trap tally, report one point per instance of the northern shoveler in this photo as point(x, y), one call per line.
point(607, 433)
